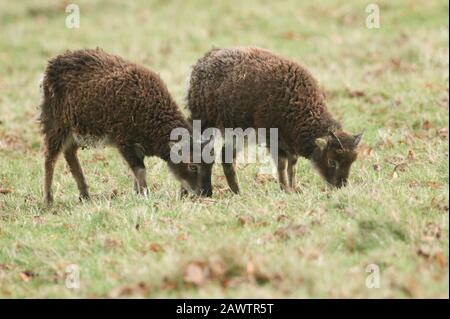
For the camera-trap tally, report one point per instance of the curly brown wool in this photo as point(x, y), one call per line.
point(254, 88)
point(92, 97)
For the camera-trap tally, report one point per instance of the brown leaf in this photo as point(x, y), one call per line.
point(354, 93)
point(433, 230)
point(388, 143)
point(264, 178)
point(282, 218)
point(281, 233)
point(126, 291)
point(217, 266)
point(195, 273)
point(232, 282)
point(434, 185)
point(5, 191)
point(432, 253)
point(439, 203)
point(365, 150)
point(38, 220)
point(443, 133)
point(112, 243)
point(400, 167)
point(246, 220)
point(155, 247)
point(291, 231)
point(27, 275)
point(440, 258)
point(6, 267)
point(205, 201)
point(254, 272)
point(411, 155)
point(426, 125)
point(414, 184)
point(291, 35)
point(262, 223)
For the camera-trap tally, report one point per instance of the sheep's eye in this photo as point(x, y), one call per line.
point(192, 167)
point(332, 163)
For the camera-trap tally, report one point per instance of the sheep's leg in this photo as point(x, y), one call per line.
point(282, 164)
point(292, 172)
point(229, 169)
point(137, 166)
point(50, 160)
point(53, 145)
point(70, 154)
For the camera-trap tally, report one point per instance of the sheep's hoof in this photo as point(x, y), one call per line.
point(84, 197)
point(236, 191)
point(48, 200)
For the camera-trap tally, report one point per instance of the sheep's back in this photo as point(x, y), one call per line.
point(251, 87)
point(102, 93)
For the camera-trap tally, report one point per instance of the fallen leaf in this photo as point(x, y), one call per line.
point(411, 155)
point(291, 35)
point(414, 184)
point(155, 247)
point(291, 231)
point(388, 142)
point(5, 191)
point(354, 93)
point(194, 273)
point(27, 275)
point(439, 203)
point(433, 230)
point(112, 243)
point(264, 178)
point(126, 291)
point(216, 266)
point(281, 233)
point(443, 133)
point(426, 125)
point(440, 258)
point(400, 167)
point(365, 150)
point(282, 218)
point(434, 185)
point(246, 220)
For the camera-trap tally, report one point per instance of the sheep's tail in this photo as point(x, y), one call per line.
point(50, 106)
point(38, 116)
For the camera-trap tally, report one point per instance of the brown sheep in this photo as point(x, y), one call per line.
point(92, 97)
point(254, 88)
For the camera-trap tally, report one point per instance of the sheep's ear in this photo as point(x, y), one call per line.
point(321, 143)
point(357, 138)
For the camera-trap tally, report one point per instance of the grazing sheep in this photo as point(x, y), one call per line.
point(91, 97)
point(254, 88)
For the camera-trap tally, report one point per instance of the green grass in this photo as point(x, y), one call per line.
point(393, 81)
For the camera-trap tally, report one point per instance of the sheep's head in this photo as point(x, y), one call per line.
point(334, 154)
point(194, 170)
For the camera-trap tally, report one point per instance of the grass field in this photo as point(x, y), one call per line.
point(393, 217)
